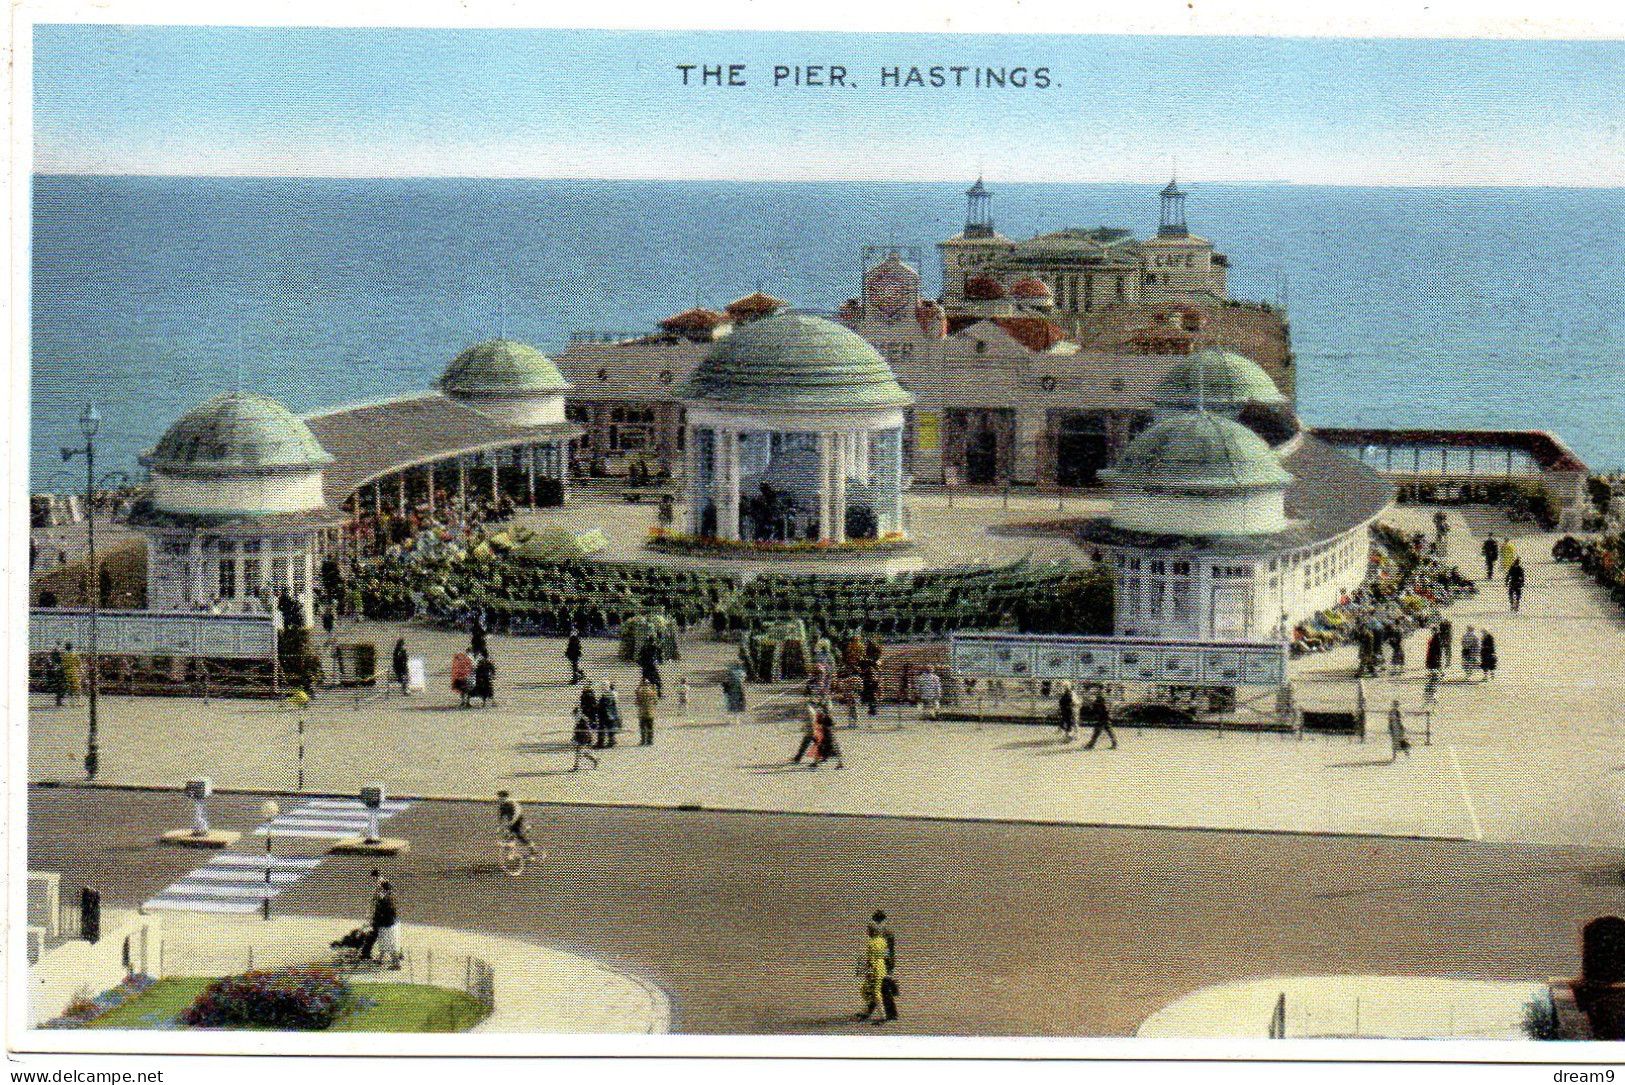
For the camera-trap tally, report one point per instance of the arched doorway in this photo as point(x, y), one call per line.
point(1081, 450)
point(981, 457)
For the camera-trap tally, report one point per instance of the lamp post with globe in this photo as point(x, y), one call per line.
point(90, 421)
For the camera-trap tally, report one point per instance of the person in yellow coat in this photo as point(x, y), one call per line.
point(73, 674)
point(880, 962)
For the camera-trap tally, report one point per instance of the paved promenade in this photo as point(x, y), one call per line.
point(1533, 756)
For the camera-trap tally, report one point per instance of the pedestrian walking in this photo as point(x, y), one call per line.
point(929, 686)
point(1067, 709)
point(462, 677)
point(682, 696)
point(824, 744)
point(869, 685)
point(1514, 582)
point(1397, 639)
point(582, 734)
point(399, 664)
point(485, 673)
point(609, 715)
point(1100, 715)
point(1447, 643)
point(1489, 657)
point(1469, 653)
point(588, 707)
point(572, 652)
point(476, 637)
point(733, 687)
point(386, 924)
point(649, 664)
point(1396, 732)
point(1441, 526)
point(55, 678)
point(877, 969)
point(809, 735)
point(1509, 553)
point(328, 621)
point(647, 695)
point(73, 674)
point(1433, 657)
point(1491, 551)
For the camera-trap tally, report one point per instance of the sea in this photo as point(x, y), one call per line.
point(1483, 307)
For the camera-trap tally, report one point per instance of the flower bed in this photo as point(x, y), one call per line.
point(669, 542)
point(291, 999)
point(82, 1011)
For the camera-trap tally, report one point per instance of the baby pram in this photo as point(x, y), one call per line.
point(352, 948)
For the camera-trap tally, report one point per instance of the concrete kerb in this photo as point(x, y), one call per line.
point(537, 988)
point(691, 807)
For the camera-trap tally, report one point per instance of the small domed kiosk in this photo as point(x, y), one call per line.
point(795, 432)
point(511, 383)
point(237, 508)
point(1216, 535)
point(1199, 474)
point(1219, 381)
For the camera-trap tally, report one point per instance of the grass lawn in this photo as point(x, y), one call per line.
point(395, 1007)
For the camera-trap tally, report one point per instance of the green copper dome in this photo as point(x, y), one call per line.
point(237, 433)
point(1194, 450)
point(501, 367)
point(1217, 379)
point(793, 361)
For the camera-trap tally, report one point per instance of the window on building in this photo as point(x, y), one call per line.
point(228, 579)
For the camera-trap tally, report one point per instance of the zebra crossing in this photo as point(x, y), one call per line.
point(238, 883)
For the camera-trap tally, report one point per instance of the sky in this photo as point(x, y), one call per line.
point(612, 104)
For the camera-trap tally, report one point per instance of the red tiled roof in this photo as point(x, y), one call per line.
point(695, 318)
point(983, 288)
point(754, 305)
point(1034, 333)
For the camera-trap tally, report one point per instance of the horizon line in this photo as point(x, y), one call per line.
point(702, 179)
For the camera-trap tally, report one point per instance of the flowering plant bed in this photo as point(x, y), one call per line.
point(369, 1007)
point(669, 542)
point(294, 998)
point(83, 1011)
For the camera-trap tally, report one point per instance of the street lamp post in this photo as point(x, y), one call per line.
point(90, 420)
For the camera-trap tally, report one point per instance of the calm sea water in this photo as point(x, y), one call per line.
point(1496, 308)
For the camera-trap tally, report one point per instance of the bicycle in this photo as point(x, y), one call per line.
point(514, 856)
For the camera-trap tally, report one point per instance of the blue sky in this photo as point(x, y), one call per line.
point(571, 103)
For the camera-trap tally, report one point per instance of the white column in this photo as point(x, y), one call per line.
point(719, 475)
point(690, 458)
point(428, 475)
point(826, 488)
point(400, 493)
point(894, 478)
point(843, 445)
point(462, 484)
point(495, 468)
point(729, 527)
point(197, 570)
point(530, 473)
point(377, 499)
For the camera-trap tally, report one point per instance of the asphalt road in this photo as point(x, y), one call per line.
point(753, 922)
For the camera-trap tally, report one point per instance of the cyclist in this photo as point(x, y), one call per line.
point(512, 819)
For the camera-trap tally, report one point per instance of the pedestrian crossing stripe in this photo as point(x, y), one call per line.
point(237, 874)
point(236, 883)
point(185, 888)
point(291, 862)
point(224, 907)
